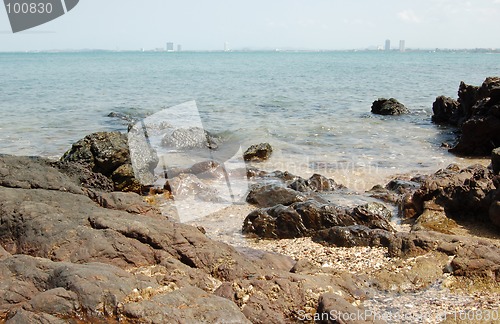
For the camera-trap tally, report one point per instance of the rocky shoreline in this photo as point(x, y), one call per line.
point(82, 240)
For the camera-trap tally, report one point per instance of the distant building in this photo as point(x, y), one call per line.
point(402, 45)
point(170, 47)
point(179, 48)
point(226, 47)
point(387, 45)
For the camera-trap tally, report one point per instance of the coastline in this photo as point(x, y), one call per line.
point(301, 248)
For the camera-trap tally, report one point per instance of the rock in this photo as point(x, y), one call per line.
point(186, 305)
point(259, 152)
point(332, 308)
point(143, 157)
point(434, 218)
point(315, 183)
point(463, 193)
point(495, 160)
point(480, 118)
point(83, 176)
point(271, 195)
point(390, 106)
point(33, 173)
point(446, 111)
point(103, 152)
point(356, 235)
point(305, 218)
point(108, 154)
point(191, 138)
point(185, 186)
point(494, 213)
point(124, 179)
point(71, 254)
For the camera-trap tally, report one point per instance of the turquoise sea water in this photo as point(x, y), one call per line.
point(314, 108)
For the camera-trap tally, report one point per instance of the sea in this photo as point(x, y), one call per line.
point(312, 107)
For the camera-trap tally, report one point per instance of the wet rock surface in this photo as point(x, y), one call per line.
point(390, 106)
point(258, 152)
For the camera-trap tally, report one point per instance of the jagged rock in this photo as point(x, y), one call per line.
point(103, 152)
point(446, 111)
point(271, 195)
point(190, 138)
point(259, 152)
point(305, 218)
point(463, 193)
point(479, 118)
point(106, 153)
point(434, 218)
point(390, 106)
point(315, 183)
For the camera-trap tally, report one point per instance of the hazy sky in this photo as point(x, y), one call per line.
point(259, 24)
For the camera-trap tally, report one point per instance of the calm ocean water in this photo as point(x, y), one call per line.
point(314, 108)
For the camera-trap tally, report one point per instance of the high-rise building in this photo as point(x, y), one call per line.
point(387, 45)
point(402, 45)
point(170, 47)
point(226, 47)
point(179, 48)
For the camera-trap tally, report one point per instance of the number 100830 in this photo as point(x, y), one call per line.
point(29, 8)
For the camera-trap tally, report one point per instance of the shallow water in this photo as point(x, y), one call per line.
point(314, 108)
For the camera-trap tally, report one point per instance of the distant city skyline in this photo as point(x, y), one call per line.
point(259, 24)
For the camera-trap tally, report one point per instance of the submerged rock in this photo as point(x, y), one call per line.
point(390, 106)
point(259, 152)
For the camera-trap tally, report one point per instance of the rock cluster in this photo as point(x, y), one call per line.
point(69, 252)
point(476, 114)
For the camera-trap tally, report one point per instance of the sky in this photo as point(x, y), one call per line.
point(263, 24)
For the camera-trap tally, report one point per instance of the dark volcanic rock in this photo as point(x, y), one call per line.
point(305, 218)
point(390, 106)
point(259, 152)
point(479, 118)
point(106, 153)
point(271, 195)
point(446, 111)
point(463, 193)
point(315, 183)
